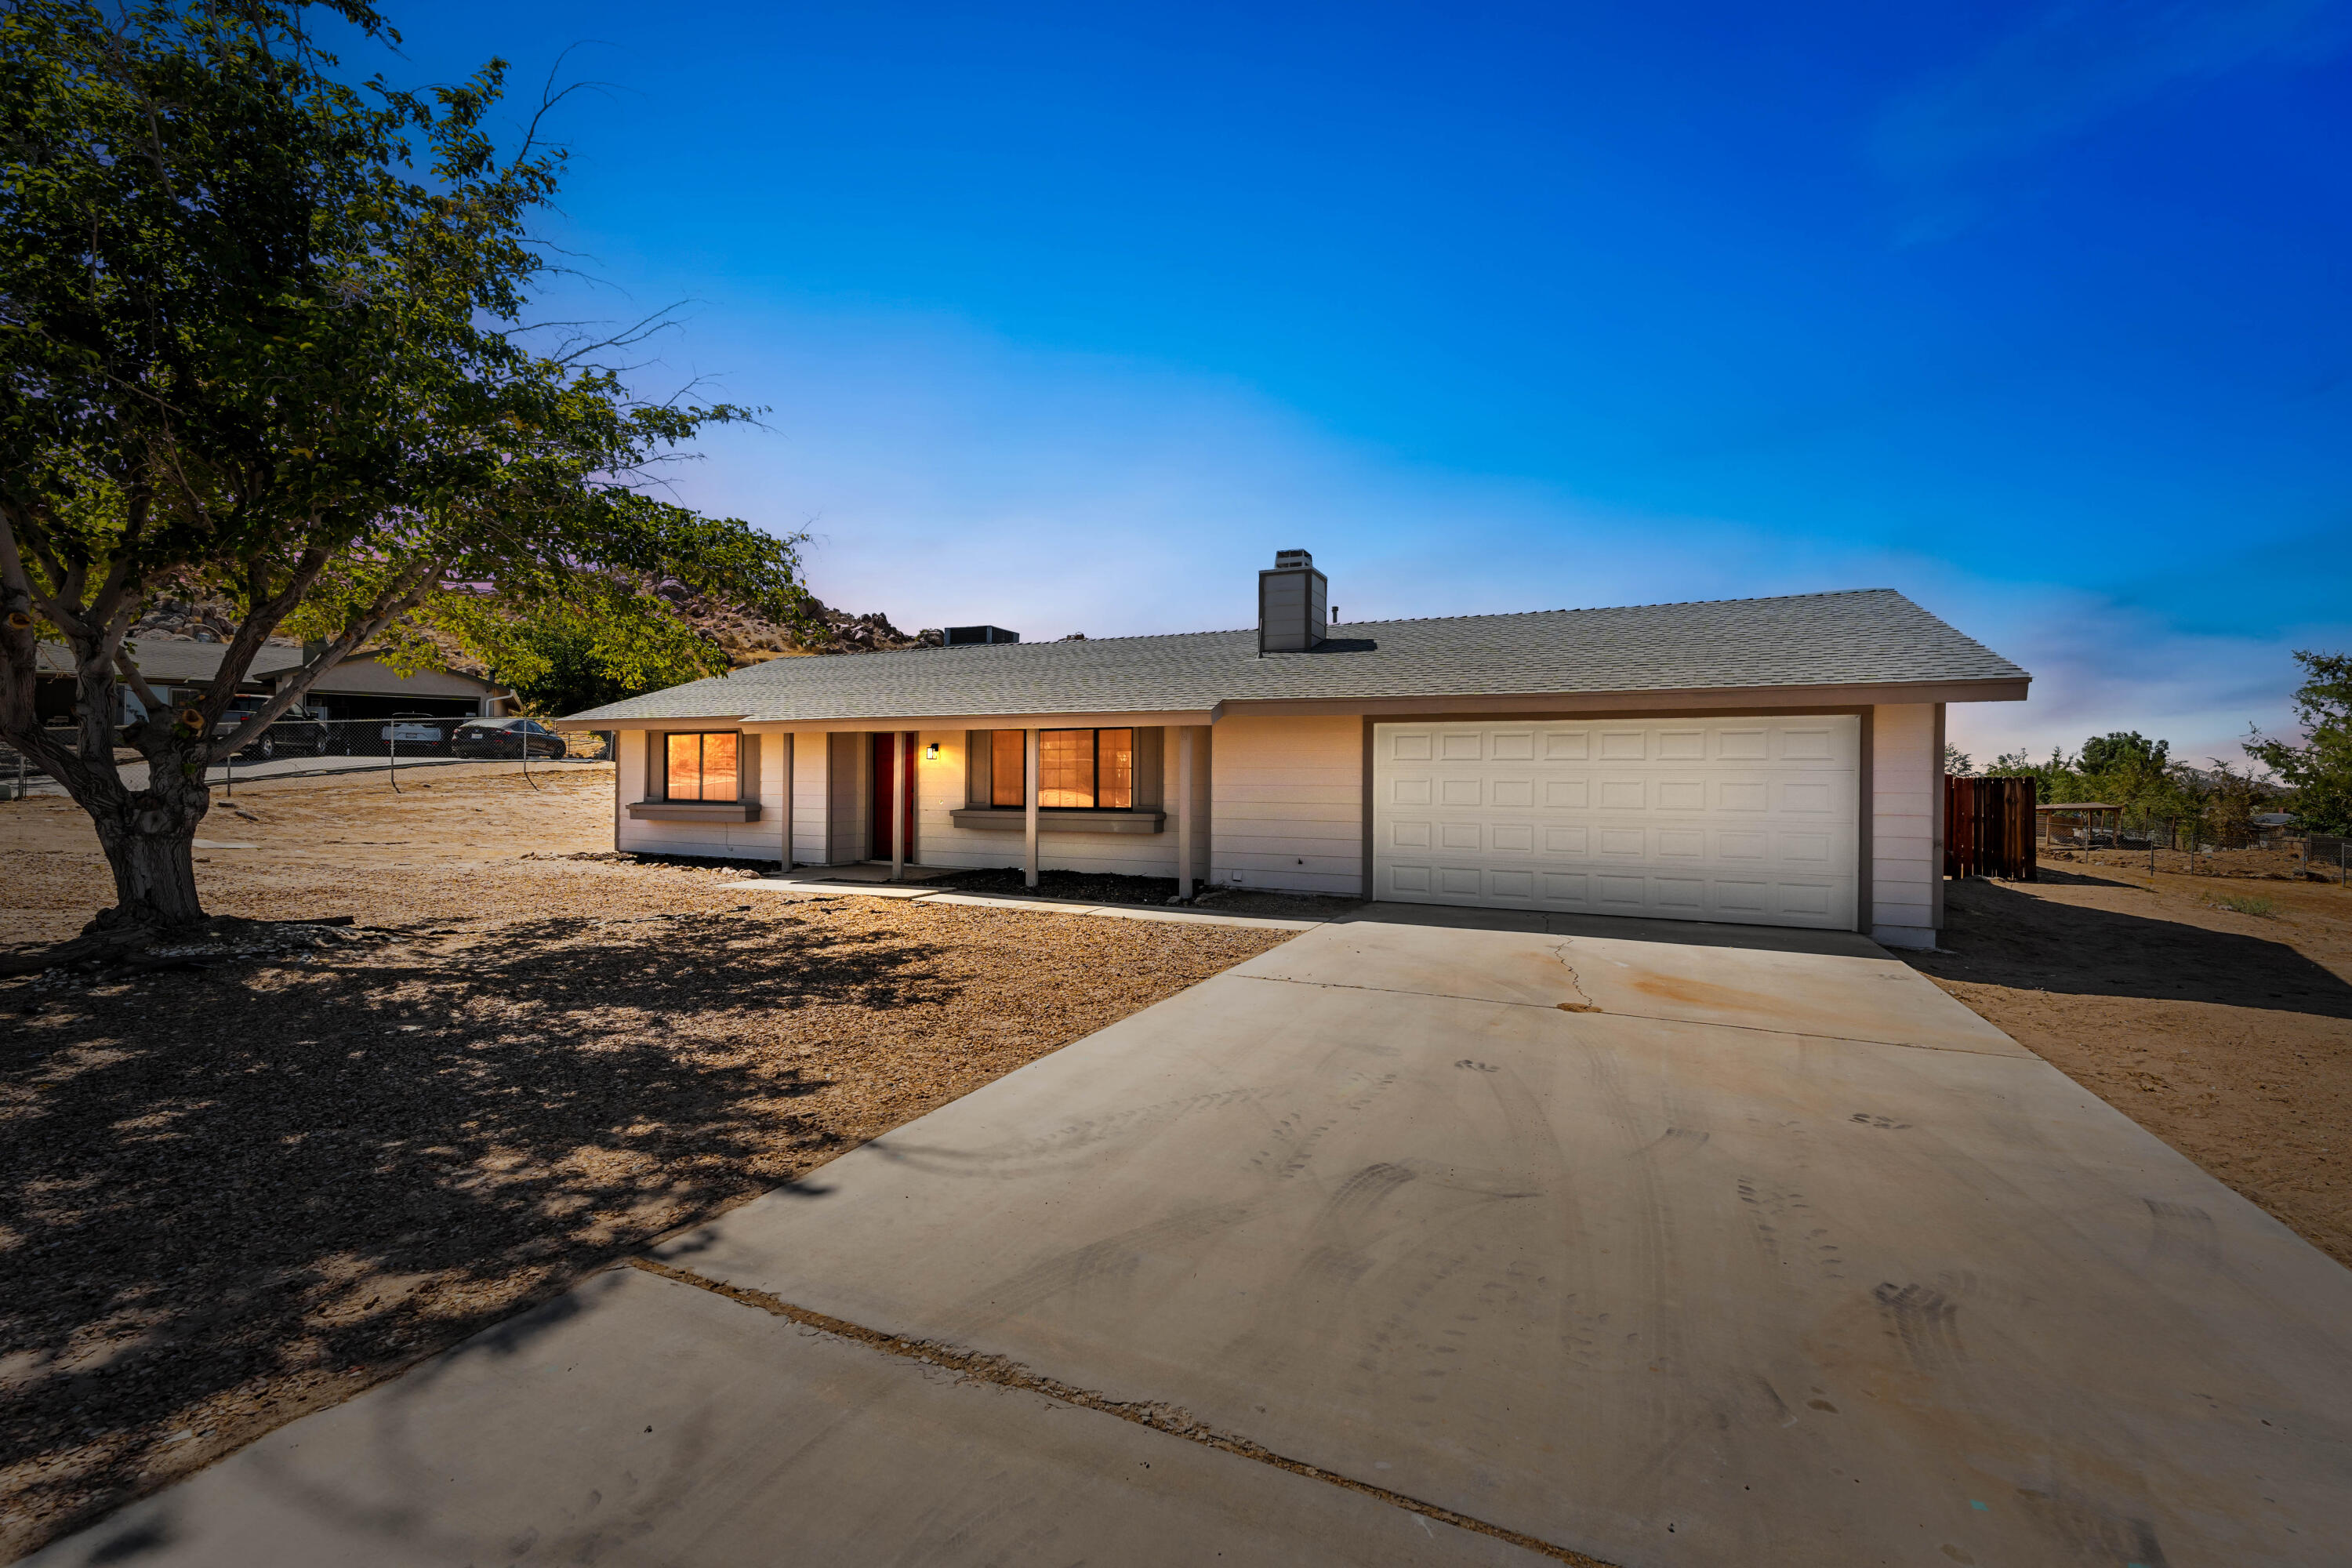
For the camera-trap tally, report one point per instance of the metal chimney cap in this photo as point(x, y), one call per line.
point(1286, 559)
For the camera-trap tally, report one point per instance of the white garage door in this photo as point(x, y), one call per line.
point(1754, 820)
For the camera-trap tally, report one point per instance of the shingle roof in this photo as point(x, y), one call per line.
point(165, 659)
point(1865, 636)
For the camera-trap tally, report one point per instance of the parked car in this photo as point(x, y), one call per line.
point(414, 733)
point(506, 738)
point(298, 733)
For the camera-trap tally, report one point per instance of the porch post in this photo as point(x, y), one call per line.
point(1029, 820)
point(1184, 814)
point(898, 804)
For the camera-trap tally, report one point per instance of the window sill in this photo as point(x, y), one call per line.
point(695, 810)
point(1062, 820)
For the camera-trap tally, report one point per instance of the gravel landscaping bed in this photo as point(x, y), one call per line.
point(232, 1195)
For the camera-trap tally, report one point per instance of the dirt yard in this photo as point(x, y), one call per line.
point(2228, 1034)
point(231, 1196)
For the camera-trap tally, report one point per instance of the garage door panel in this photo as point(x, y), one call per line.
point(1681, 794)
point(1723, 819)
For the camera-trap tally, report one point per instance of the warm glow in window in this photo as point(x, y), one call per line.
point(1008, 768)
point(701, 767)
point(1066, 768)
point(1115, 769)
point(1077, 769)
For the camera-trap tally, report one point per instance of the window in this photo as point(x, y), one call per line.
point(1077, 769)
point(700, 767)
point(1008, 768)
point(1115, 769)
point(1066, 768)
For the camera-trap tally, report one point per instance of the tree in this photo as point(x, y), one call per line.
point(264, 334)
point(2318, 769)
point(1957, 763)
point(2054, 780)
point(601, 643)
point(2126, 752)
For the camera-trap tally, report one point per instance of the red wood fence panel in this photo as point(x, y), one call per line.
point(1988, 828)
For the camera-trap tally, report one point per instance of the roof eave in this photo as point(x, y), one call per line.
point(1842, 694)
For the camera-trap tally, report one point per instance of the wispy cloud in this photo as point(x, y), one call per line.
point(2072, 66)
point(951, 477)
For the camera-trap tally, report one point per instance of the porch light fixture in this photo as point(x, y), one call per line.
point(932, 751)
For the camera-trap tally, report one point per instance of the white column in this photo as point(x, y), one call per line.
point(1029, 820)
point(1184, 812)
point(897, 806)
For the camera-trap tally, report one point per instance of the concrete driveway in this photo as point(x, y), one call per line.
point(1403, 1245)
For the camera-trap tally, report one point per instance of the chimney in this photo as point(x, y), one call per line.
point(1292, 603)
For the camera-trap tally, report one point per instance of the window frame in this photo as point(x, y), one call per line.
point(661, 767)
point(991, 799)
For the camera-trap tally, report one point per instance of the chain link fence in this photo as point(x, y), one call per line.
point(300, 746)
point(2194, 843)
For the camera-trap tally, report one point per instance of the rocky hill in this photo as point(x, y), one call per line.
point(744, 636)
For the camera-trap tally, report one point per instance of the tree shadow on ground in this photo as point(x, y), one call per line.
point(1999, 935)
point(297, 1178)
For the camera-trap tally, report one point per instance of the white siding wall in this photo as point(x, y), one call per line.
point(940, 787)
point(1288, 804)
point(811, 798)
point(1906, 862)
point(760, 840)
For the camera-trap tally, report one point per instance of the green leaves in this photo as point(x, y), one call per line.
point(2319, 770)
point(263, 336)
point(607, 640)
point(261, 326)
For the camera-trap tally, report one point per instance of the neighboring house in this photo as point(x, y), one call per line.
point(358, 688)
point(1772, 761)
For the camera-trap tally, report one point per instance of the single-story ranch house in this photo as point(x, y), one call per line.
point(1775, 762)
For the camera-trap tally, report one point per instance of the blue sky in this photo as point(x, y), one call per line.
point(1070, 316)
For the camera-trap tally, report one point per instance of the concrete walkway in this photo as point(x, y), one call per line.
point(1400, 1244)
point(867, 882)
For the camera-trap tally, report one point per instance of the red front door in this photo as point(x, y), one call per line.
point(880, 813)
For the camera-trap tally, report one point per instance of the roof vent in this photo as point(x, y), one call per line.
point(973, 636)
point(1293, 604)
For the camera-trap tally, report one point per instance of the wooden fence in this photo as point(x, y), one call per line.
point(1989, 829)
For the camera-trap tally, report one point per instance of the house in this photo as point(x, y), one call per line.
point(1774, 761)
point(360, 686)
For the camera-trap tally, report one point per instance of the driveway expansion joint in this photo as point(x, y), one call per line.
point(1171, 1420)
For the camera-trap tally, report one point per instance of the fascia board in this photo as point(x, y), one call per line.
point(1693, 699)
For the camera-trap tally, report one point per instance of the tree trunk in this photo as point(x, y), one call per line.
point(149, 844)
